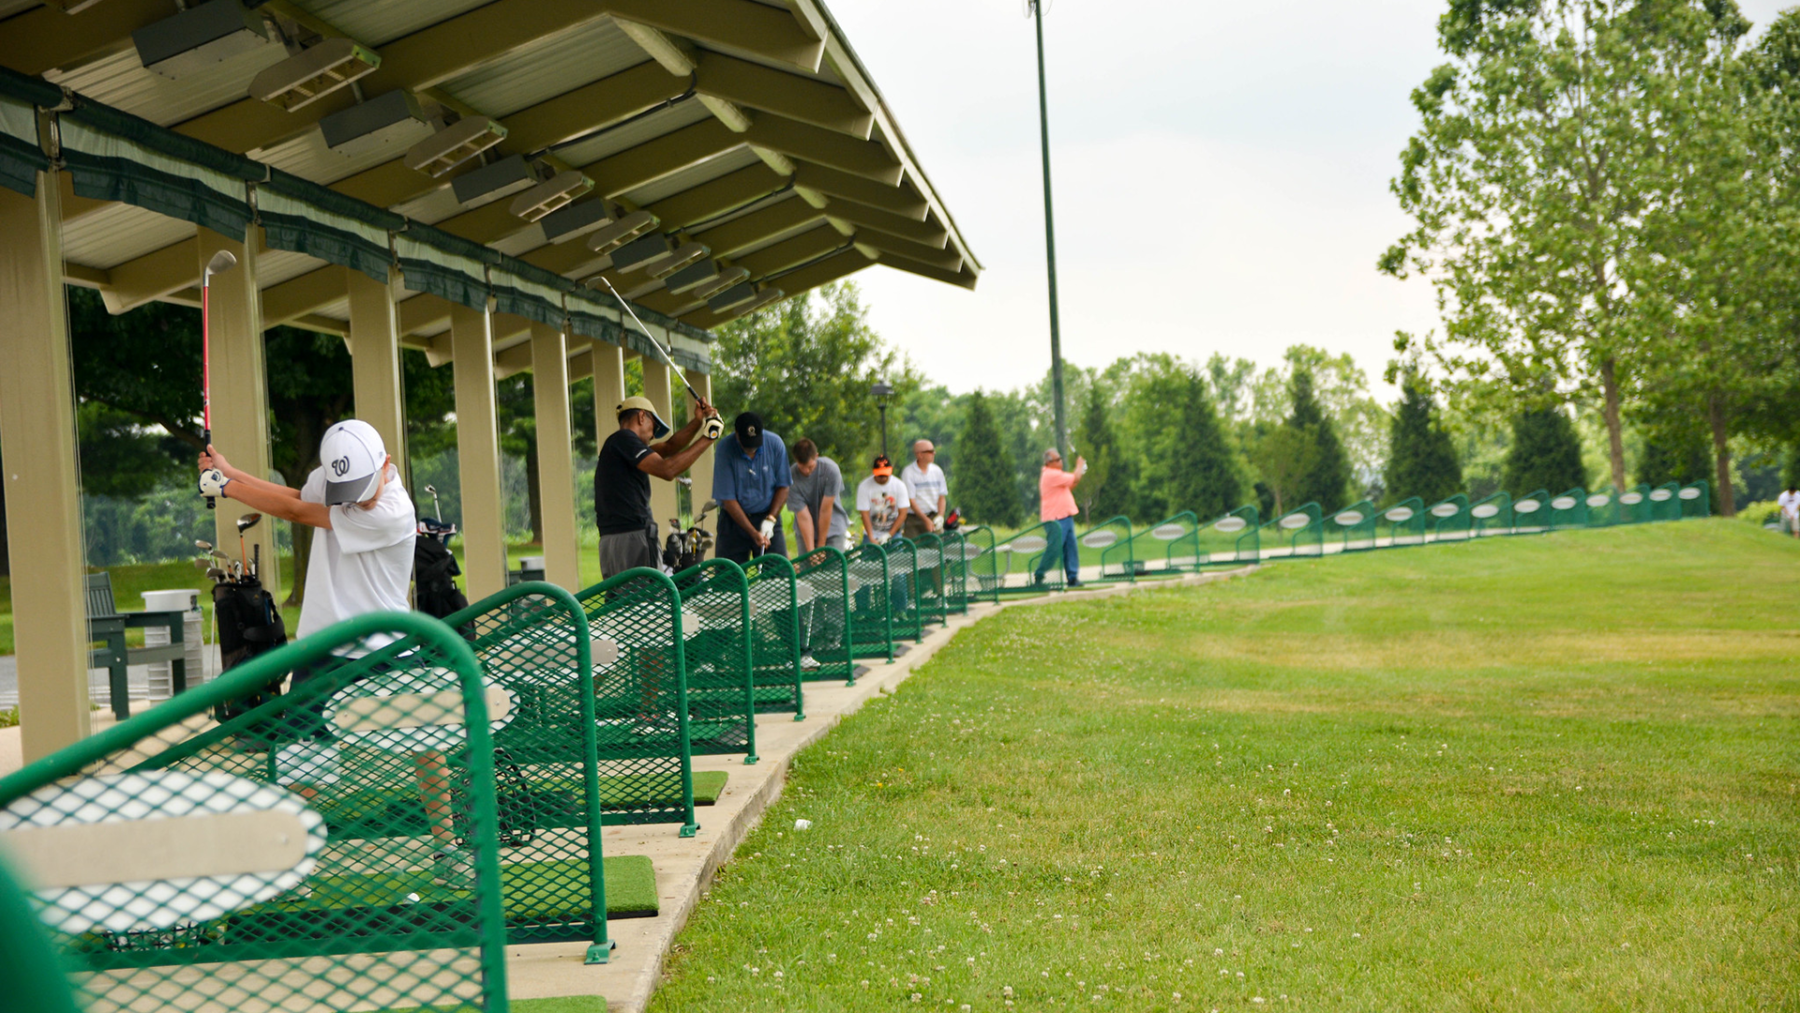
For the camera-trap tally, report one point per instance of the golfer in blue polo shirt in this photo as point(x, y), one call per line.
point(750, 481)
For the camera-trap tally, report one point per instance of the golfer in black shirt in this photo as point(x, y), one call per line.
point(622, 479)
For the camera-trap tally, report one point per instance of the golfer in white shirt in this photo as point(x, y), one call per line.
point(1789, 501)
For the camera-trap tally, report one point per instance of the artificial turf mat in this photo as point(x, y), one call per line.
point(379, 812)
point(536, 892)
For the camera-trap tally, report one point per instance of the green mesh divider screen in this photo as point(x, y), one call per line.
point(255, 865)
point(643, 755)
point(1449, 518)
point(928, 578)
point(532, 640)
point(775, 634)
point(871, 623)
point(1569, 510)
point(1231, 539)
point(955, 547)
point(1491, 516)
point(1531, 513)
point(721, 683)
point(823, 580)
point(1355, 525)
point(1602, 509)
point(982, 566)
point(1108, 545)
point(1017, 560)
point(1298, 532)
point(1665, 504)
point(903, 591)
point(1404, 522)
point(1696, 500)
point(1169, 547)
point(1634, 505)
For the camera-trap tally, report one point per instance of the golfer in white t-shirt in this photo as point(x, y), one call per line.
point(1789, 502)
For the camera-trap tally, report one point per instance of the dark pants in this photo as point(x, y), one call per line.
point(1071, 553)
point(735, 543)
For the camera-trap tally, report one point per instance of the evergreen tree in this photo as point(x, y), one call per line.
point(1545, 454)
point(1188, 460)
point(1674, 455)
point(1106, 491)
point(1422, 461)
point(1326, 480)
point(986, 492)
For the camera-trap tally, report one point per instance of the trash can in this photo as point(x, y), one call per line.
point(162, 679)
point(530, 568)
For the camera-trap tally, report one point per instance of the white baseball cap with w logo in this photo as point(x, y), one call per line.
point(352, 455)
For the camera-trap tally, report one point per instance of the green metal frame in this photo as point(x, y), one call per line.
point(532, 640)
point(929, 578)
point(903, 591)
point(1634, 505)
point(1405, 522)
point(1665, 502)
point(1447, 524)
point(1569, 510)
point(1231, 539)
point(1356, 523)
point(368, 892)
point(1157, 550)
point(1603, 508)
point(1696, 500)
point(1300, 531)
point(641, 706)
point(1110, 534)
point(825, 619)
point(1531, 514)
point(981, 564)
point(36, 981)
point(775, 634)
point(1026, 542)
point(871, 621)
point(721, 674)
point(955, 546)
point(1491, 516)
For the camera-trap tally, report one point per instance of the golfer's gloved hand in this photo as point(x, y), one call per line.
point(213, 482)
point(713, 429)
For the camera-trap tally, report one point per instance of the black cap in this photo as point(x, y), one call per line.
point(749, 428)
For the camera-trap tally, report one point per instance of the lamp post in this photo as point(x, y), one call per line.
point(882, 392)
point(1056, 371)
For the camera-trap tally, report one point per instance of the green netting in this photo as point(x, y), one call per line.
point(1450, 518)
point(1355, 525)
point(642, 743)
point(775, 633)
point(823, 577)
point(1531, 513)
point(271, 878)
point(1696, 500)
point(1295, 533)
point(721, 683)
point(1603, 509)
point(1164, 549)
point(1664, 502)
point(1569, 510)
point(1110, 542)
point(981, 565)
point(1017, 560)
point(903, 592)
point(532, 640)
point(1634, 505)
point(1405, 522)
point(1491, 516)
point(929, 578)
point(871, 621)
point(1231, 539)
point(955, 547)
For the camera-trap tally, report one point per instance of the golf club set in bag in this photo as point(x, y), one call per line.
point(246, 622)
point(434, 568)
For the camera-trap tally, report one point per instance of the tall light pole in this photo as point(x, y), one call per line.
point(882, 392)
point(1056, 371)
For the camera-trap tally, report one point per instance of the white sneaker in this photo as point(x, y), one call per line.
point(807, 661)
point(453, 867)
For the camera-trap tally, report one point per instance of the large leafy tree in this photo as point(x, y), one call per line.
point(1422, 458)
point(989, 489)
point(1546, 145)
point(1545, 453)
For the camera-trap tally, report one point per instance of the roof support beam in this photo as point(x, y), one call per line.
point(927, 233)
point(942, 259)
point(790, 252)
point(153, 276)
point(814, 144)
point(767, 31)
point(798, 98)
point(298, 297)
point(46, 38)
point(827, 270)
point(742, 233)
point(732, 190)
point(652, 160)
point(901, 200)
point(965, 278)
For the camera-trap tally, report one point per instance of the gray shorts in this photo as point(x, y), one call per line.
point(619, 553)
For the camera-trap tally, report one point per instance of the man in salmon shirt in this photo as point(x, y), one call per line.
point(1057, 505)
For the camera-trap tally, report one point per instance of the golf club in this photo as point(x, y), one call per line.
point(437, 509)
point(221, 262)
point(713, 429)
point(245, 523)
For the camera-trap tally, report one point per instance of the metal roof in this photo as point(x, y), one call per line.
point(746, 125)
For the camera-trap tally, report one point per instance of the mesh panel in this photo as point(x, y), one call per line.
point(1665, 502)
point(1633, 506)
point(1296, 533)
point(955, 547)
point(1231, 539)
point(1696, 500)
point(721, 688)
point(903, 592)
point(775, 633)
point(1569, 510)
point(330, 849)
point(1030, 562)
point(823, 580)
point(1491, 516)
point(871, 623)
point(928, 578)
point(1169, 547)
point(1405, 522)
point(1109, 544)
point(1450, 518)
point(1531, 513)
point(983, 567)
point(533, 641)
point(1355, 524)
point(642, 757)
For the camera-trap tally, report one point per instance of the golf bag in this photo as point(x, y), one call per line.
point(434, 573)
point(249, 625)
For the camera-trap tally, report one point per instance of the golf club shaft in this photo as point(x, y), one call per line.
point(206, 367)
point(659, 348)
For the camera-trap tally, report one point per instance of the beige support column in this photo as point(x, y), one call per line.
point(702, 471)
point(478, 452)
point(608, 369)
point(375, 361)
point(556, 456)
point(656, 388)
point(240, 396)
point(42, 475)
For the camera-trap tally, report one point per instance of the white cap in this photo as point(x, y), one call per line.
point(352, 454)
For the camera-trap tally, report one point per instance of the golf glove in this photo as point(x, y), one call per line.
point(713, 428)
point(213, 482)
point(937, 522)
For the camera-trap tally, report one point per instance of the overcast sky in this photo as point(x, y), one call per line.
point(1220, 175)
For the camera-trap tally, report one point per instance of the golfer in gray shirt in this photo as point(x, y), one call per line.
point(817, 500)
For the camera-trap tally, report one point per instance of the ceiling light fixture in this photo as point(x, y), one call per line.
point(727, 278)
point(199, 37)
point(682, 256)
point(693, 276)
point(551, 194)
point(454, 145)
point(763, 298)
point(388, 120)
point(577, 220)
point(642, 252)
point(309, 76)
point(493, 181)
point(622, 231)
point(736, 295)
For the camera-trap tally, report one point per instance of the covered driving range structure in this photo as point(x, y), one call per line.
point(454, 176)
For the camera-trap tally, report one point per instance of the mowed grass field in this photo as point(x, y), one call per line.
point(1541, 773)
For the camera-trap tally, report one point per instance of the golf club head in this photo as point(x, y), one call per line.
point(217, 575)
point(431, 490)
point(711, 504)
point(685, 480)
point(248, 521)
point(221, 262)
point(203, 546)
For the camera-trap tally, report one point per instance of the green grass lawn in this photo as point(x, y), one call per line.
point(1538, 773)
